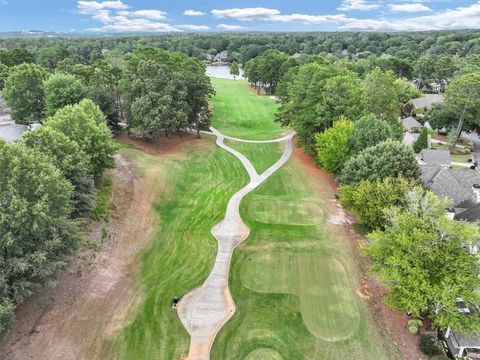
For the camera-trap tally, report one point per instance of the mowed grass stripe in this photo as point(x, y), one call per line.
point(182, 250)
point(239, 112)
point(293, 280)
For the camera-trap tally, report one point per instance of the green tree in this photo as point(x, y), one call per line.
point(422, 259)
point(422, 141)
point(406, 90)
point(380, 95)
point(315, 96)
point(370, 199)
point(35, 225)
point(389, 158)
point(15, 57)
point(61, 90)
point(333, 145)
point(369, 131)
point(85, 124)
point(462, 96)
point(160, 104)
point(67, 156)
point(23, 92)
point(234, 69)
point(3, 75)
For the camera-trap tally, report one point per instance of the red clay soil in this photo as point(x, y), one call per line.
point(165, 145)
point(388, 321)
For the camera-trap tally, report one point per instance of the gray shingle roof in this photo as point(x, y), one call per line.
point(411, 122)
point(451, 184)
point(427, 101)
point(433, 157)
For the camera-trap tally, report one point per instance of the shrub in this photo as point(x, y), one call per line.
point(428, 344)
point(422, 141)
point(414, 325)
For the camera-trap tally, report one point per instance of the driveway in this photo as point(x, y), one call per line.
point(12, 132)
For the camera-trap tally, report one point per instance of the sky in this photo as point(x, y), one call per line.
point(124, 16)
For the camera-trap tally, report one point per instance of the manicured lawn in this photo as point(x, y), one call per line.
point(239, 112)
point(460, 158)
point(262, 156)
point(193, 197)
point(293, 280)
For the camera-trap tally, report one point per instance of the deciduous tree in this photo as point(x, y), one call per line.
point(333, 145)
point(389, 158)
point(61, 90)
point(23, 92)
point(35, 225)
point(85, 124)
point(422, 258)
point(370, 199)
point(380, 95)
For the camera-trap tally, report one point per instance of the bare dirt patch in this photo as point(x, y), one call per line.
point(99, 287)
point(372, 293)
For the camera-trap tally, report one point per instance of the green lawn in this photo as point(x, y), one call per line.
point(294, 282)
point(239, 112)
point(182, 251)
point(460, 158)
point(262, 156)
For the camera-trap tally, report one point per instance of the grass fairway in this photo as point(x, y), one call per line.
point(239, 112)
point(194, 194)
point(293, 280)
point(262, 156)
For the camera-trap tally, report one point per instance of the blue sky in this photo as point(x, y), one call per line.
point(234, 15)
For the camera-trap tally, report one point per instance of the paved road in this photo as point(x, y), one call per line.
point(204, 310)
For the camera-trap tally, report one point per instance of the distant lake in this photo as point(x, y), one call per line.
point(221, 71)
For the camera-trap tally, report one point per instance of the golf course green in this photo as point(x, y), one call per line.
point(293, 279)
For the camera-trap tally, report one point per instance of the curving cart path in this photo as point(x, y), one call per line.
point(204, 310)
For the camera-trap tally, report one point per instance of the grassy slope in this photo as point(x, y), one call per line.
point(182, 251)
point(242, 113)
point(292, 280)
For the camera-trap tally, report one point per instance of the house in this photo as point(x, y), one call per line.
point(459, 344)
point(222, 56)
point(422, 104)
point(431, 157)
point(411, 124)
point(461, 187)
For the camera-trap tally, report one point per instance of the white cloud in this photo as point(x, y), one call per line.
point(193, 13)
point(257, 13)
point(194, 27)
point(92, 7)
point(149, 14)
point(123, 24)
point(229, 27)
point(459, 18)
point(114, 17)
point(362, 5)
point(413, 7)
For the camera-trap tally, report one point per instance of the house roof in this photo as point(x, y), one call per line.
point(411, 122)
point(433, 157)
point(427, 101)
point(465, 340)
point(472, 214)
point(451, 184)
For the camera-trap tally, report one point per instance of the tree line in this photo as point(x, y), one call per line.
point(49, 179)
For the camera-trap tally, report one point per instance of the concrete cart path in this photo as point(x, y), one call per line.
point(204, 310)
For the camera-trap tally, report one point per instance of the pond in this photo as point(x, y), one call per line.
point(221, 71)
